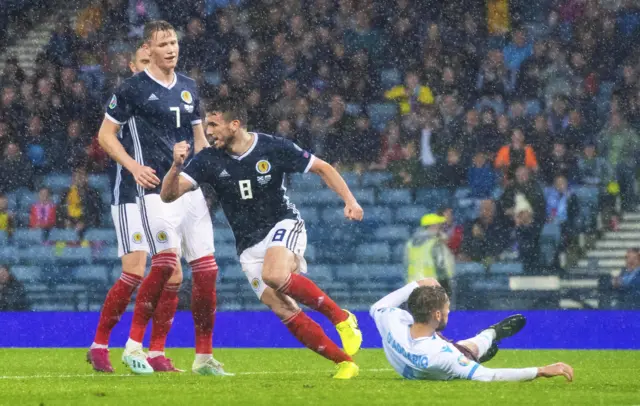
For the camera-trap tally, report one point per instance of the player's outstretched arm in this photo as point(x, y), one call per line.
point(478, 372)
point(399, 296)
point(332, 178)
point(108, 139)
point(174, 185)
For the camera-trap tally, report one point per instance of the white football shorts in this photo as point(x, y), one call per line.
point(184, 224)
point(129, 229)
point(287, 233)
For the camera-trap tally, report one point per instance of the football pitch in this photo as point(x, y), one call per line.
point(299, 377)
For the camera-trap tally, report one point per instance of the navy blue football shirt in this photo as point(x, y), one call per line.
point(157, 116)
point(124, 188)
point(250, 187)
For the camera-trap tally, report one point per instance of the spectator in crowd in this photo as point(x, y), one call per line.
point(13, 297)
point(594, 170)
point(621, 146)
point(392, 147)
point(529, 78)
point(560, 163)
point(139, 12)
point(453, 173)
point(6, 216)
point(43, 213)
point(411, 95)
point(61, 47)
point(485, 237)
point(515, 155)
point(340, 126)
point(451, 229)
point(481, 177)
point(518, 50)
point(427, 253)
point(563, 209)
point(80, 204)
point(629, 278)
point(527, 235)
point(15, 170)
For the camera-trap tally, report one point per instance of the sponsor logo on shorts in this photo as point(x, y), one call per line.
point(462, 360)
point(263, 167)
point(137, 238)
point(161, 236)
point(186, 96)
point(113, 103)
point(255, 283)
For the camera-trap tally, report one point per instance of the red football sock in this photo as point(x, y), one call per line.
point(309, 333)
point(203, 301)
point(114, 305)
point(162, 267)
point(163, 316)
point(304, 291)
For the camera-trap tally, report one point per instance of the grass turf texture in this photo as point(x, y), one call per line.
point(299, 377)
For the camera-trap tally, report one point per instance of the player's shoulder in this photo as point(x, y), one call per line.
point(132, 85)
point(185, 80)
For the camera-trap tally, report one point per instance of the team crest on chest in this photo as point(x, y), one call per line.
point(263, 167)
point(186, 96)
point(113, 103)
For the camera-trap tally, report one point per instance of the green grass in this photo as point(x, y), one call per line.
point(299, 377)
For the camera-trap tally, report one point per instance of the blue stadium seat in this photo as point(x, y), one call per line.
point(12, 201)
point(384, 273)
point(4, 238)
point(108, 235)
point(333, 215)
point(106, 221)
point(107, 254)
point(100, 183)
point(433, 199)
point(392, 233)
point(115, 272)
point(374, 252)
point(219, 218)
point(376, 179)
point(62, 234)
point(469, 268)
point(398, 253)
point(58, 183)
point(226, 252)
point(350, 273)
point(395, 197)
point(377, 215)
point(352, 179)
point(381, 113)
point(410, 214)
point(26, 199)
point(75, 255)
point(364, 196)
point(336, 253)
point(320, 273)
point(506, 268)
point(28, 274)
point(306, 182)
point(224, 235)
point(232, 273)
point(490, 284)
point(37, 255)
point(25, 237)
point(9, 255)
point(462, 193)
point(94, 273)
point(389, 78)
point(310, 253)
point(309, 214)
point(353, 109)
point(105, 196)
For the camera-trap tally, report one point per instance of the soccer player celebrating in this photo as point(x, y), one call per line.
point(133, 249)
point(161, 108)
point(247, 171)
point(416, 351)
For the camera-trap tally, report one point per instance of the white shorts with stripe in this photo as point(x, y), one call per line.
point(184, 224)
point(287, 233)
point(129, 229)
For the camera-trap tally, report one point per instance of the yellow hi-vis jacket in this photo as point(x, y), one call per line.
point(427, 255)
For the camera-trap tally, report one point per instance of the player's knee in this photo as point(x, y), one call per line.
point(274, 275)
point(135, 263)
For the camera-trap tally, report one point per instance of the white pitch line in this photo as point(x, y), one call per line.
point(306, 372)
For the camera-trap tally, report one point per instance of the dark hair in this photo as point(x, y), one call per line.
point(231, 109)
point(425, 300)
point(155, 26)
point(134, 49)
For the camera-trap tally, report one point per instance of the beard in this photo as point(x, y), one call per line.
point(442, 325)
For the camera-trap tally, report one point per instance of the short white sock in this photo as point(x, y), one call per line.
point(153, 354)
point(202, 358)
point(132, 345)
point(483, 341)
point(96, 345)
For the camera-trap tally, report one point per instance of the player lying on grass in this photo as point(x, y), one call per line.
point(416, 351)
point(246, 170)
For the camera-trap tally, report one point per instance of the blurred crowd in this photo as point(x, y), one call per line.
point(515, 94)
